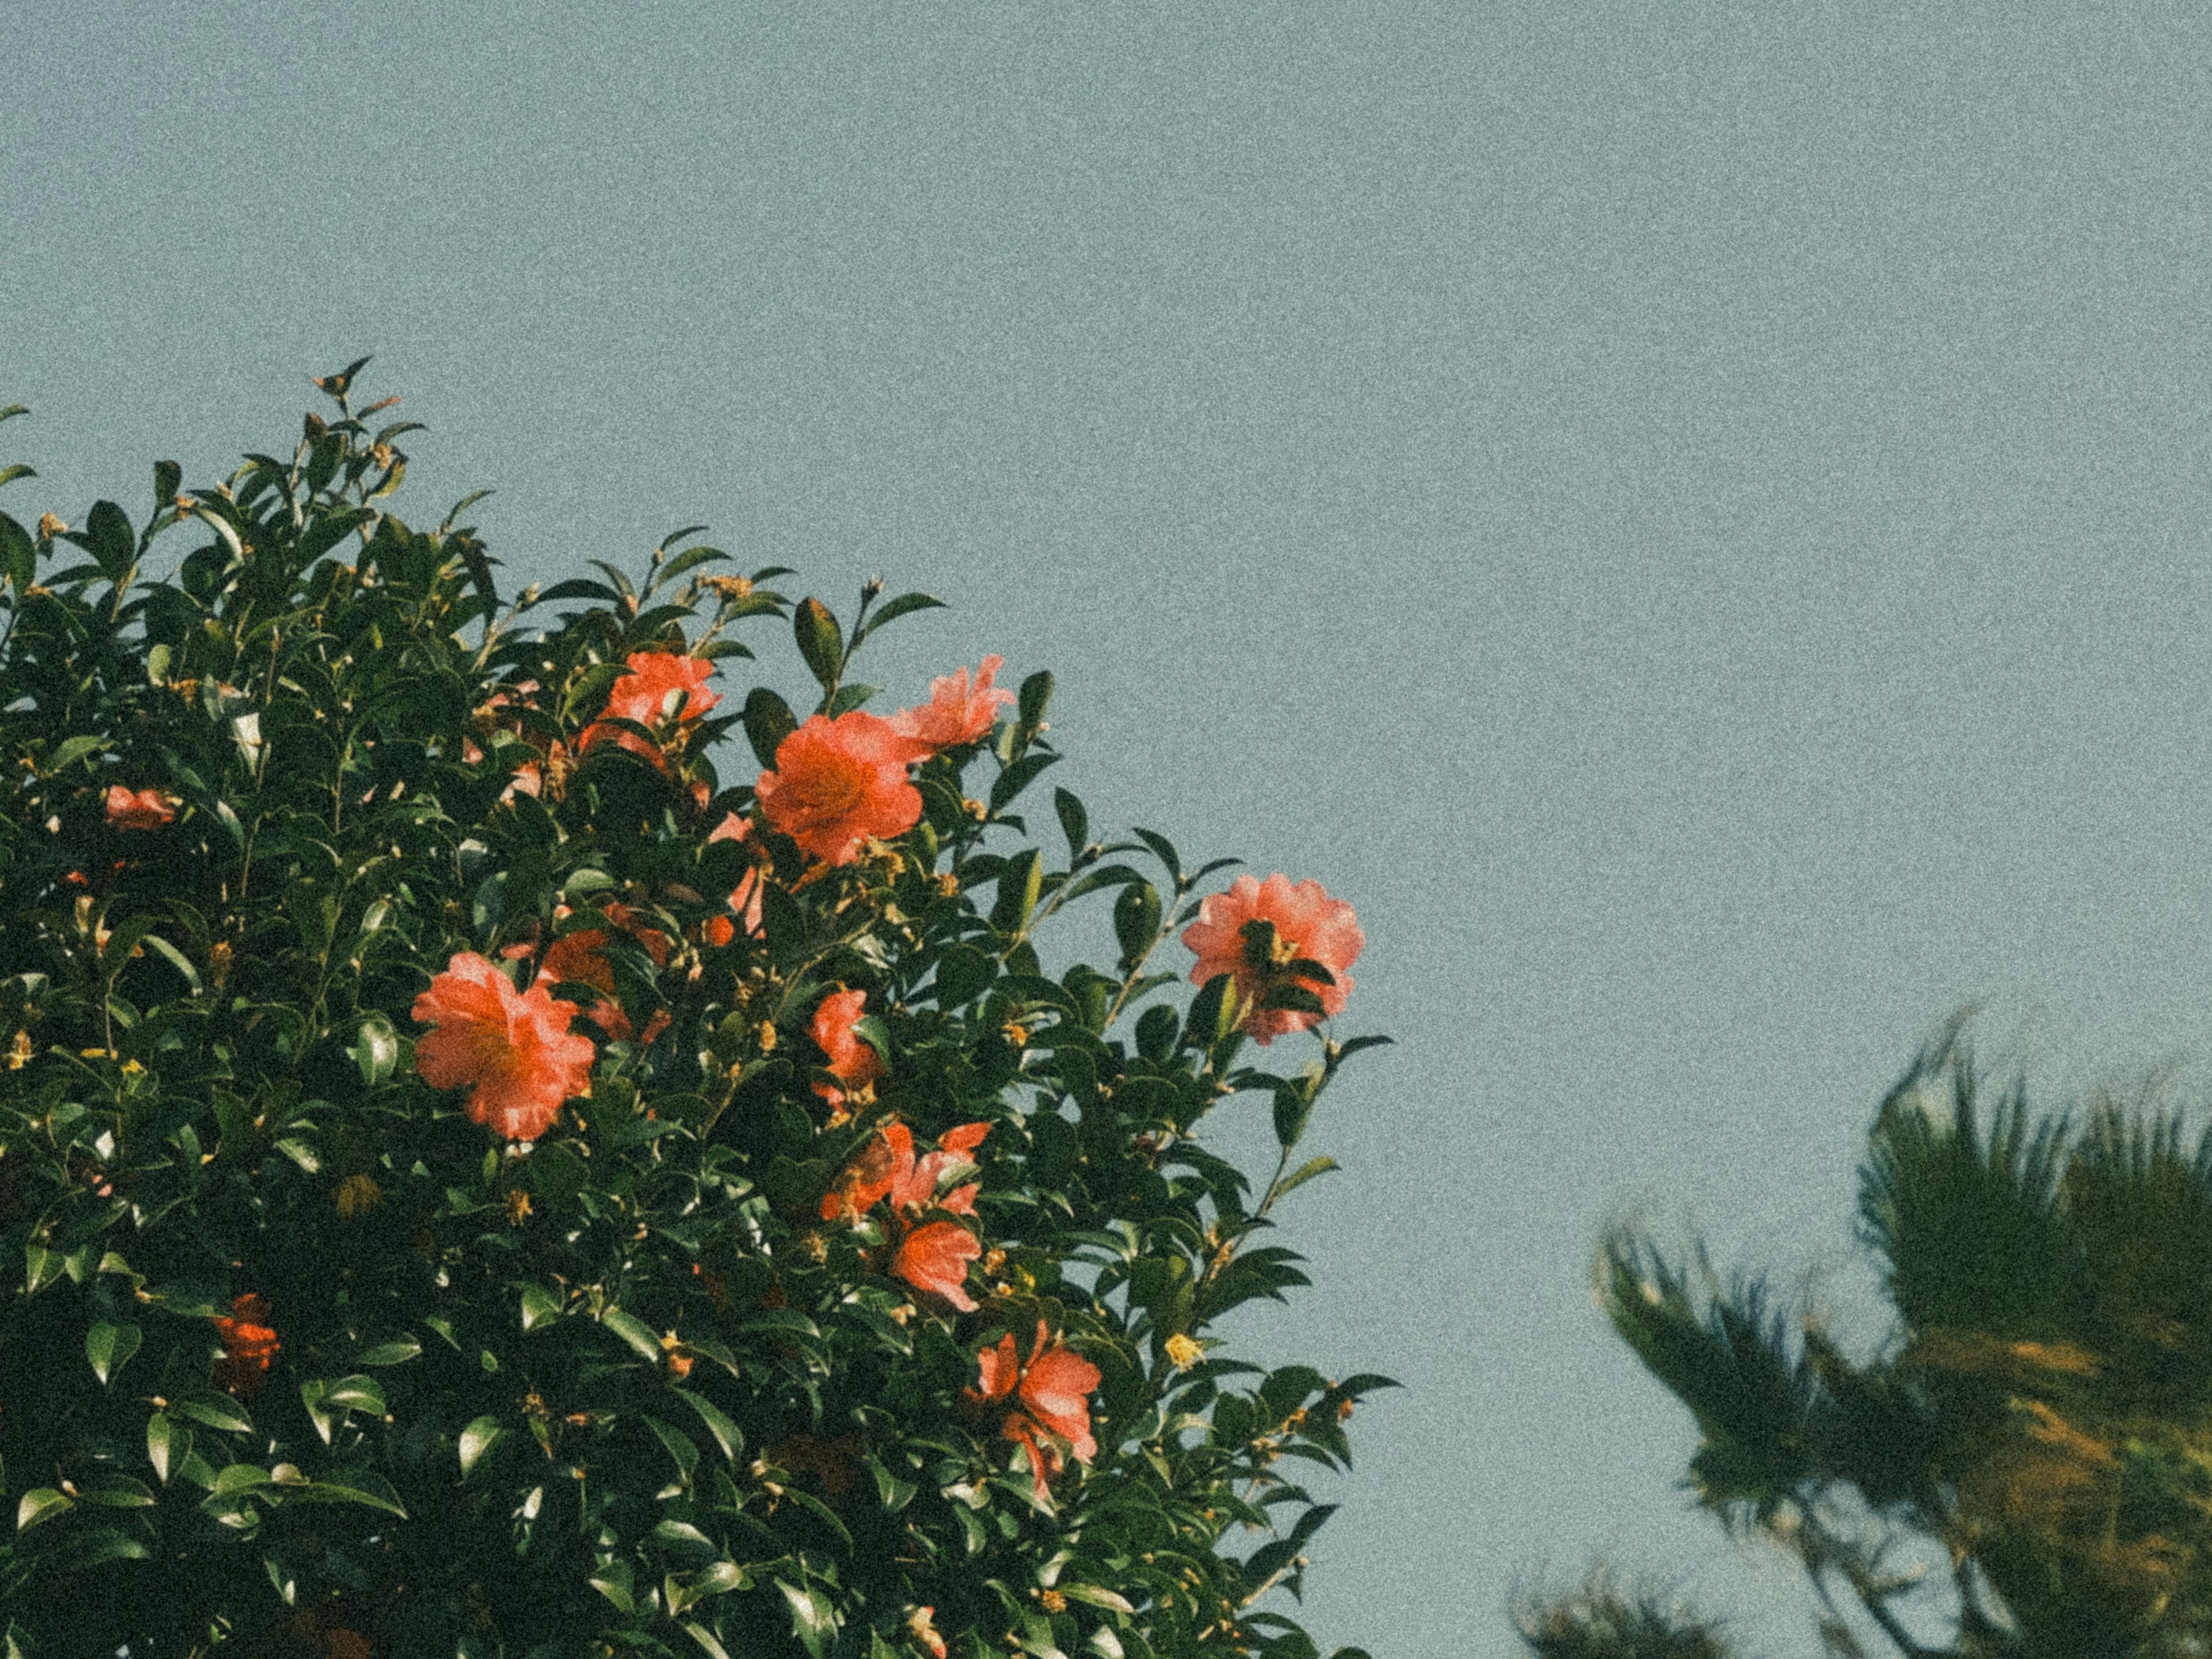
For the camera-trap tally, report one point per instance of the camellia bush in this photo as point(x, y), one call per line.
point(476, 1180)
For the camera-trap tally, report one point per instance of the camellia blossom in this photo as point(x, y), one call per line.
point(137, 808)
point(888, 1169)
point(249, 1343)
point(957, 711)
point(512, 1050)
point(934, 1257)
point(746, 897)
point(577, 958)
point(836, 783)
point(1050, 1397)
point(643, 694)
point(1309, 926)
point(852, 1061)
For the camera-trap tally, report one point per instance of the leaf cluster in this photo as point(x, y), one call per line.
point(2040, 1417)
point(620, 1389)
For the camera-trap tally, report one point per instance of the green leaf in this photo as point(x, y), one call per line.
point(1074, 822)
point(682, 1536)
point(1097, 1597)
point(813, 1621)
point(169, 1443)
point(354, 1486)
point(1036, 698)
point(1303, 1173)
point(356, 1393)
point(176, 959)
point(1137, 920)
point(118, 1492)
point(680, 1446)
point(236, 1478)
point(727, 1435)
point(821, 642)
point(633, 1332)
point(614, 1580)
point(217, 1412)
point(110, 539)
point(376, 1050)
point(479, 1438)
point(699, 1633)
point(963, 973)
point(1012, 779)
point(768, 720)
point(40, 1504)
point(904, 605)
point(19, 555)
point(539, 1306)
point(73, 749)
point(109, 1348)
point(395, 1352)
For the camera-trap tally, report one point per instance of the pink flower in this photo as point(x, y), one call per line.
point(1309, 926)
point(512, 1050)
point(137, 808)
point(836, 783)
point(957, 711)
point(851, 1061)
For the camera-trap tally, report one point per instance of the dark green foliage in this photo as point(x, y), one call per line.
point(2039, 1420)
point(1602, 1620)
point(622, 1390)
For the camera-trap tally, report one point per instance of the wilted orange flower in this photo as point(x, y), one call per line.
point(934, 1257)
point(511, 1049)
point(957, 711)
point(643, 695)
point(248, 1345)
point(746, 897)
point(852, 1061)
point(1309, 926)
point(838, 782)
point(137, 808)
point(1051, 1398)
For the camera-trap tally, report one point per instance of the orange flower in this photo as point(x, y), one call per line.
point(644, 694)
point(852, 1061)
point(1308, 926)
point(512, 1050)
point(248, 1345)
point(1051, 1397)
point(576, 958)
point(745, 898)
point(838, 782)
point(957, 711)
point(137, 808)
point(934, 1257)
point(887, 1167)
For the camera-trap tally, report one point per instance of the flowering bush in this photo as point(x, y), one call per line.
point(485, 1184)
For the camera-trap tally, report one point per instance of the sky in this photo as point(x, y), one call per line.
point(1692, 517)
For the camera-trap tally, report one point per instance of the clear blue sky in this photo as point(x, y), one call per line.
point(1693, 517)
